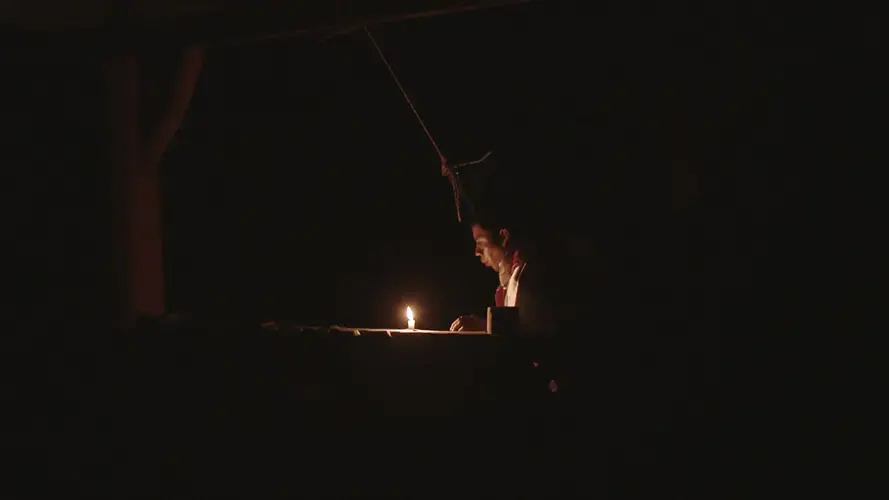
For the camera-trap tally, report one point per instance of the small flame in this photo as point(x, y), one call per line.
point(410, 314)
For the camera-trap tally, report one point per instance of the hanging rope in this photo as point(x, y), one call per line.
point(446, 170)
point(406, 97)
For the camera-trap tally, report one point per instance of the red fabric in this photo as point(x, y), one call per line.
point(500, 296)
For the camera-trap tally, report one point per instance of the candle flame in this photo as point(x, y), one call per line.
point(410, 314)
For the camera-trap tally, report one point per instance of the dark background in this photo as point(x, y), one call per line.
point(301, 187)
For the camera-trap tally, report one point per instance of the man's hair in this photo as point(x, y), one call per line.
point(508, 197)
point(504, 215)
point(491, 225)
point(503, 198)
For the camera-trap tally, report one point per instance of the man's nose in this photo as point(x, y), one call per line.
point(478, 252)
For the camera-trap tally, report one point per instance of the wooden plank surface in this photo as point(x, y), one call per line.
point(415, 331)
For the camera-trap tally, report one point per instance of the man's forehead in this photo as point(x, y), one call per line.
point(480, 232)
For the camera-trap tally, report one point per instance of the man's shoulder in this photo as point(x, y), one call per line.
point(549, 270)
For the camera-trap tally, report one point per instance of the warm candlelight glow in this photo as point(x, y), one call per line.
point(410, 319)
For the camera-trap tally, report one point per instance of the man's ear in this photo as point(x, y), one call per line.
point(504, 237)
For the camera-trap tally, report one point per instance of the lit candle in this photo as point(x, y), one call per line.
point(410, 319)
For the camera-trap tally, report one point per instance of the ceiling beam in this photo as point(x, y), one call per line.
point(253, 21)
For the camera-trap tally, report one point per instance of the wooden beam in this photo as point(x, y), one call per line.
point(122, 89)
point(135, 158)
point(245, 22)
point(189, 70)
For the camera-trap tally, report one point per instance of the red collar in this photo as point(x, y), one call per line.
point(500, 294)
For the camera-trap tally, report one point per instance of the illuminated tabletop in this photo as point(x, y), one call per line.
point(391, 331)
point(360, 331)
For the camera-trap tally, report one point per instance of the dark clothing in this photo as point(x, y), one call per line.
point(551, 295)
point(621, 372)
point(535, 301)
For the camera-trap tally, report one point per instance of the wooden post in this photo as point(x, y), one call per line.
point(135, 160)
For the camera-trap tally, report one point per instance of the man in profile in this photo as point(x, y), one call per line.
point(528, 276)
point(492, 247)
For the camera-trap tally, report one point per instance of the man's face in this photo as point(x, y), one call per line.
point(486, 247)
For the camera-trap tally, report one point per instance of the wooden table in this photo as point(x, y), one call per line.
point(404, 331)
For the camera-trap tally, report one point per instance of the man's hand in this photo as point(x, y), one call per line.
point(469, 322)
